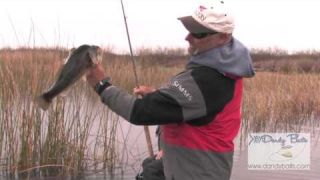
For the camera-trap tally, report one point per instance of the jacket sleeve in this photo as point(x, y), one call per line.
point(183, 99)
point(153, 109)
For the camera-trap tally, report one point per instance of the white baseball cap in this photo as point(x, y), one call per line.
point(211, 16)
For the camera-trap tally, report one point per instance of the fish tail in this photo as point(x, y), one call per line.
point(43, 102)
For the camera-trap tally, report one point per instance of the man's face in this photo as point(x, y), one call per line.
point(201, 42)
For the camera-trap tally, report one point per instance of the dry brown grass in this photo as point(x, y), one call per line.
point(276, 60)
point(53, 143)
point(281, 102)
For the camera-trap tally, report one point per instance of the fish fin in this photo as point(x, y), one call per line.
point(95, 54)
point(65, 92)
point(43, 102)
point(70, 52)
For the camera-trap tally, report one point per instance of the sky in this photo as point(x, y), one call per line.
point(291, 25)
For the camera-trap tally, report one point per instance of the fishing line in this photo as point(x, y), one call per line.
point(146, 128)
point(130, 47)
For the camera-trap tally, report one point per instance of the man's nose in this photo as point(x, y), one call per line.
point(188, 37)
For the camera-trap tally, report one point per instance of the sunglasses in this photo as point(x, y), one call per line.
point(201, 35)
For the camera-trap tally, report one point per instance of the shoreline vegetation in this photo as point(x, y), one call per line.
point(77, 136)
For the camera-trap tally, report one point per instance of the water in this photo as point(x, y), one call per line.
point(240, 170)
point(133, 150)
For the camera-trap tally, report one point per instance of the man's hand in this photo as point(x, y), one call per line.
point(159, 155)
point(143, 90)
point(95, 75)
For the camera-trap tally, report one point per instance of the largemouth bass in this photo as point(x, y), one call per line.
point(77, 64)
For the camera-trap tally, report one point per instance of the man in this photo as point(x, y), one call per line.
point(199, 109)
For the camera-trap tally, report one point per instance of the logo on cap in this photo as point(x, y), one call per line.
point(199, 13)
point(201, 8)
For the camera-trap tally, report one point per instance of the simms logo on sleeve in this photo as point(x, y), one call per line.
point(183, 90)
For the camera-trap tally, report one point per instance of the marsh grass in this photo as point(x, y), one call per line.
point(278, 102)
point(78, 135)
point(277, 60)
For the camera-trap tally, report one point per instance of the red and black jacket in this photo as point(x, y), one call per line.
point(199, 110)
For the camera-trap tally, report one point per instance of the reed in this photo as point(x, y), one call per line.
point(281, 102)
point(78, 135)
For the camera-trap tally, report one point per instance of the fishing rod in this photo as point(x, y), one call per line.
point(146, 128)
